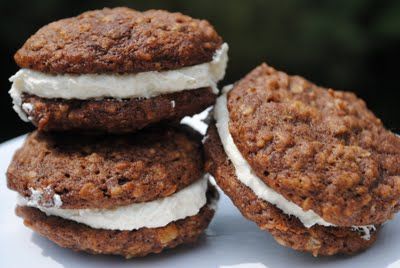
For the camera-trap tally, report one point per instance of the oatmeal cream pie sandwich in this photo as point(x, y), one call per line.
point(312, 166)
point(117, 70)
point(127, 195)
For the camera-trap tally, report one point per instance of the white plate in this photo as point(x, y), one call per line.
point(230, 240)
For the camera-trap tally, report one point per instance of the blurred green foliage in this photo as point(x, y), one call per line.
point(342, 44)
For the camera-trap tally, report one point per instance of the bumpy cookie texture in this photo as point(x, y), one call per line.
point(106, 171)
point(129, 244)
point(119, 40)
point(116, 116)
point(287, 231)
point(322, 149)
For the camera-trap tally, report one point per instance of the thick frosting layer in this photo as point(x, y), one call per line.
point(246, 175)
point(121, 86)
point(157, 213)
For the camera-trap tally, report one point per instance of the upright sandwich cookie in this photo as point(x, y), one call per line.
point(117, 70)
point(312, 166)
point(128, 195)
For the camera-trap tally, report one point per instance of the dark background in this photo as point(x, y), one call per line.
point(350, 45)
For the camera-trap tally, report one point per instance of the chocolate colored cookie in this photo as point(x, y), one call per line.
point(115, 116)
point(287, 231)
point(319, 148)
point(141, 242)
point(107, 171)
point(119, 40)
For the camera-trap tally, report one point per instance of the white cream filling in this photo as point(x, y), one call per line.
point(246, 175)
point(157, 213)
point(36, 199)
point(120, 86)
point(364, 231)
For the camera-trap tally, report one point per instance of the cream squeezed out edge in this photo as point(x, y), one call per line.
point(119, 86)
point(245, 175)
point(158, 213)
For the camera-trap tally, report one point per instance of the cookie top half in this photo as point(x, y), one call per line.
point(319, 148)
point(107, 171)
point(119, 40)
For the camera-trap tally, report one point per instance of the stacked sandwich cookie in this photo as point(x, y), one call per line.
point(117, 70)
point(110, 170)
point(312, 166)
point(129, 194)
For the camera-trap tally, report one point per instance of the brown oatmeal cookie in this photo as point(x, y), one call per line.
point(115, 116)
point(141, 242)
point(107, 171)
point(320, 148)
point(119, 40)
point(287, 231)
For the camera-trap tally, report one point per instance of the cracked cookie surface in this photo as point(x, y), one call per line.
point(119, 40)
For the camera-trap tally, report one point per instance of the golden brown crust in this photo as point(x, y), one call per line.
point(322, 149)
point(107, 171)
point(119, 40)
point(287, 231)
point(79, 237)
point(116, 116)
